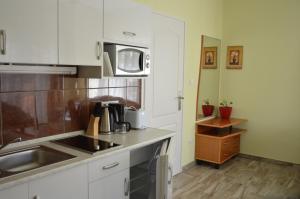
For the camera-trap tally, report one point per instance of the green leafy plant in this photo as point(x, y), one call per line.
point(225, 103)
point(206, 102)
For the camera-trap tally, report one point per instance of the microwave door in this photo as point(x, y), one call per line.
point(130, 61)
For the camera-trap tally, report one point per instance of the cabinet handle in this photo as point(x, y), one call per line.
point(126, 187)
point(3, 47)
point(110, 166)
point(171, 175)
point(130, 34)
point(99, 47)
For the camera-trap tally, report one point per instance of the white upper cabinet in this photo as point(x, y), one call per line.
point(68, 184)
point(80, 32)
point(126, 21)
point(28, 31)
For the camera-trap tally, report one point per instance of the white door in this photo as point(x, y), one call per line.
point(126, 21)
point(164, 87)
point(31, 31)
point(115, 186)
point(80, 32)
point(70, 183)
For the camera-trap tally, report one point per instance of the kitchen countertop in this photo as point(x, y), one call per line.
point(129, 141)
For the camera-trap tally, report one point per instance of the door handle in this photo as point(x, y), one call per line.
point(179, 102)
point(3, 43)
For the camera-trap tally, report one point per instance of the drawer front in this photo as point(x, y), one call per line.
point(109, 165)
point(229, 147)
point(207, 148)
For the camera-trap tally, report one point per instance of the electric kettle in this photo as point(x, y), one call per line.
point(105, 120)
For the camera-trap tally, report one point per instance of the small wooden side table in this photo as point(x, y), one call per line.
point(217, 140)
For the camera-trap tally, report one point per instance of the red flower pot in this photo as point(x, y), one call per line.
point(207, 110)
point(225, 112)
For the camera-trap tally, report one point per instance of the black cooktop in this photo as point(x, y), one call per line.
point(86, 144)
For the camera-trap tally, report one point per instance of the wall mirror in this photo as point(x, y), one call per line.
point(209, 77)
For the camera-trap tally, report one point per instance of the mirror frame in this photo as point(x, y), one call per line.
point(199, 76)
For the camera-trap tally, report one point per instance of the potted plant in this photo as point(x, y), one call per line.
point(207, 108)
point(225, 109)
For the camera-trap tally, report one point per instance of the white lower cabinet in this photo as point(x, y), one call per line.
point(115, 186)
point(104, 178)
point(109, 177)
point(68, 184)
point(17, 192)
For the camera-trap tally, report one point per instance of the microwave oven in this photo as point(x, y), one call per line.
point(128, 60)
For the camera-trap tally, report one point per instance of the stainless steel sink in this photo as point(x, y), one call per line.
point(31, 158)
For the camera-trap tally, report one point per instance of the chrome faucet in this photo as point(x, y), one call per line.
point(10, 142)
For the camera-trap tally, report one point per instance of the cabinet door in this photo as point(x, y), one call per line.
point(127, 21)
point(207, 148)
point(31, 31)
point(80, 32)
point(111, 187)
point(17, 192)
point(70, 183)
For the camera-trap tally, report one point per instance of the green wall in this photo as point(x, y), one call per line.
point(267, 90)
point(201, 17)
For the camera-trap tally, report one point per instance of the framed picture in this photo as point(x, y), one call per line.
point(209, 57)
point(234, 57)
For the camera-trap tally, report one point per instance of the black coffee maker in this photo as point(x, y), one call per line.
point(112, 118)
point(117, 118)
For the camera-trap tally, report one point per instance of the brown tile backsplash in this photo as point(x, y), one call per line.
point(76, 110)
point(14, 83)
point(49, 82)
point(71, 82)
point(18, 115)
point(50, 112)
point(34, 106)
point(27, 82)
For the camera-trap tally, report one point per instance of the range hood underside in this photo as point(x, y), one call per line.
point(38, 69)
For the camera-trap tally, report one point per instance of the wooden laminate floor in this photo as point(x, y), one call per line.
point(239, 178)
